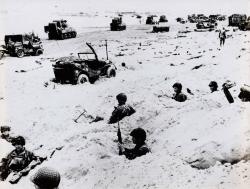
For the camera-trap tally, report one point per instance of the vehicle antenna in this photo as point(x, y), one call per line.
point(107, 49)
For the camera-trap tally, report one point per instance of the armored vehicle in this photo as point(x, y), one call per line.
point(59, 29)
point(236, 19)
point(117, 25)
point(21, 45)
point(82, 69)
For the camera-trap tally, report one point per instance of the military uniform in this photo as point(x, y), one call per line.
point(222, 36)
point(16, 161)
point(120, 112)
point(180, 97)
point(137, 151)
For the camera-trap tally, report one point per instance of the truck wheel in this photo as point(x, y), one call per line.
point(82, 78)
point(111, 72)
point(20, 53)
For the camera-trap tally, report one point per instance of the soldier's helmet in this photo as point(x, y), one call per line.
point(5, 128)
point(47, 178)
point(18, 141)
point(178, 86)
point(139, 133)
point(213, 84)
point(121, 97)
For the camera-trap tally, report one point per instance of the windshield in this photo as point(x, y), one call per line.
point(86, 56)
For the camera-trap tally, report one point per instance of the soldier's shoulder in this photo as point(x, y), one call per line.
point(144, 148)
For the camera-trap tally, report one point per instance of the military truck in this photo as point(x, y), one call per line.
point(82, 69)
point(236, 19)
point(21, 45)
point(244, 26)
point(117, 25)
point(59, 29)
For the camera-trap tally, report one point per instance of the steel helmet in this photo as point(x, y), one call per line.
point(121, 97)
point(47, 178)
point(18, 141)
point(5, 128)
point(213, 84)
point(178, 86)
point(139, 133)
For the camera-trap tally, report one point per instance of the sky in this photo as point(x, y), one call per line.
point(173, 6)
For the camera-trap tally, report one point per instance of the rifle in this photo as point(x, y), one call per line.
point(119, 135)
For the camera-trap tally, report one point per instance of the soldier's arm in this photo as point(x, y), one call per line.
point(34, 161)
point(131, 111)
point(129, 153)
point(142, 151)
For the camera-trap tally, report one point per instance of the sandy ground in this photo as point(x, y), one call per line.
point(205, 127)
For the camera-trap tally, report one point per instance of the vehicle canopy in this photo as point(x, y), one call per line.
point(21, 38)
point(13, 38)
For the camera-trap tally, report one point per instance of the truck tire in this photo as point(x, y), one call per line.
point(20, 53)
point(111, 72)
point(82, 78)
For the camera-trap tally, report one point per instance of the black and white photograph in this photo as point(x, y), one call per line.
point(125, 94)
